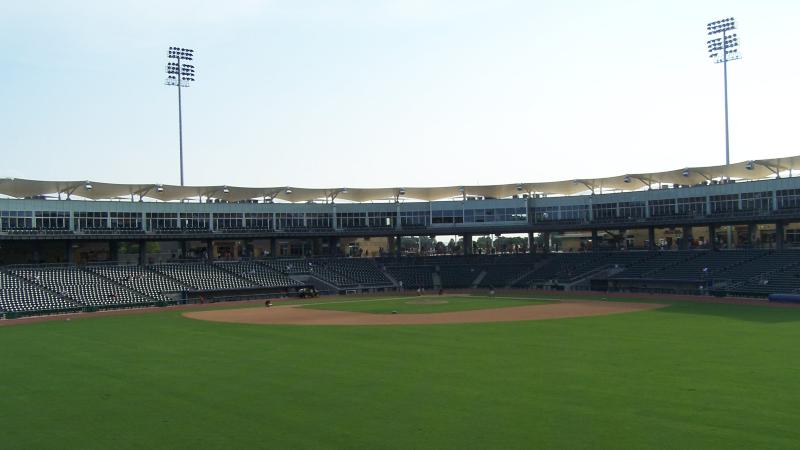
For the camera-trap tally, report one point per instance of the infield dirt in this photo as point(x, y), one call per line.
point(295, 315)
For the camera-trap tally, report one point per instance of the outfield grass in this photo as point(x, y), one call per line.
point(412, 305)
point(690, 376)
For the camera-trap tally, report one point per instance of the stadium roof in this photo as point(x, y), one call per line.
point(746, 170)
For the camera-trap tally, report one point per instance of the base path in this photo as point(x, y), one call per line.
point(294, 315)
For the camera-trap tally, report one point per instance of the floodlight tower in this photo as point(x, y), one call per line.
point(180, 74)
point(721, 50)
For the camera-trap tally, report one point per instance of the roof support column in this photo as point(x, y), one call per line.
point(651, 238)
point(113, 251)
point(68, 252)
point(142, 252)
point(779, 235)
point(752, 234)
point(712, 236)
point(686, 238)
point(333, 246)
point(467, 244)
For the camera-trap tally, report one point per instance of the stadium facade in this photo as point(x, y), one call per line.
point(752, 204)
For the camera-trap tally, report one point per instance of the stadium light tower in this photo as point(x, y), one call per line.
point(721, 50)
point(180, 74)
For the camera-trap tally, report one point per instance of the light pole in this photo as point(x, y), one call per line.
point(721, 50)
point(180, 74)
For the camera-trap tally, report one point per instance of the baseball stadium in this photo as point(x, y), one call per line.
point(629, 311)
point(578, 303)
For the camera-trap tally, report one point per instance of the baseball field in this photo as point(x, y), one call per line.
point(627, 373)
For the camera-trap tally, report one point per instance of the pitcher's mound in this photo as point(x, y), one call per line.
point(293, 315)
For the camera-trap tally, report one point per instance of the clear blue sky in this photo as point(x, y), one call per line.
point(377, 93)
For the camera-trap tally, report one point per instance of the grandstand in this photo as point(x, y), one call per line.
point(80, 286)
point(150, 283)
point(41, 289)
point(726, 230)
point(20, 295)
point(259, 274)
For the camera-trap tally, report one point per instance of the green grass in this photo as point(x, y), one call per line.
point(690, 376)
point(407, 305)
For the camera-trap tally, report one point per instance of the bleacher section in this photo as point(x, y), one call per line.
point(150, 283)
point(82, 286)
point(18, 295)
point(659, 261)
point(288, 266)
point(778, 272)
point(706, 265)
point(200, 276)
point(563, 267)
point(48, 289)
point(362, 271)
point(259, 274)
point(413, 277)
point(320, 270)
point(458, 276)
point(502, 275)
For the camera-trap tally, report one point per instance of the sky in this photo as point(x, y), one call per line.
point(389, 93)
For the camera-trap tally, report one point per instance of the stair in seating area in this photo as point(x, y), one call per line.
point(478, 279)
point(437, 280)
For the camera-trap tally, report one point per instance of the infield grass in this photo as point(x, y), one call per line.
point(689, 376)
point(426, 304)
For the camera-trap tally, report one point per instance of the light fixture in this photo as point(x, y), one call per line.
point(685, 172)
point(288, 190)
point(180, 74)
point(627, 179)
point(461, 189)
point(89, 186)
point(343, 191)
point(519, 188)
point(722, 50)
point(159, 188)
point(402, 191)
point(749, 165)
point(225, 190)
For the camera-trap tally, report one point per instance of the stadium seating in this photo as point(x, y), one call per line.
point(362, 271)
point(294, 266)
point(461, 276)
point(82, 286)
point(502, 275)
point(258, 273)
point(659, 261)
point(201, 276)
point(777, 272)
point(413, 277)
point(320, 270)
point(563, 267)
point(34, 289)
point(18, 295)
point(706, 265)
point(152, 284)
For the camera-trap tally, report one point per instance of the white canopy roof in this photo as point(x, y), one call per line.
point(745, 170)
